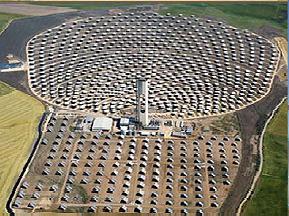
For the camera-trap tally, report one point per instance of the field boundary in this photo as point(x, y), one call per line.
point(24, 171)
point(11, 20)
point(7, 25)
point(260, 168)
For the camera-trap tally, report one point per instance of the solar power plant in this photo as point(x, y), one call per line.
point(195, 67)
point(112, 173)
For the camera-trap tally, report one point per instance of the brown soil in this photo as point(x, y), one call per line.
point(252, 120)
point(268, 32)
point(32, 10)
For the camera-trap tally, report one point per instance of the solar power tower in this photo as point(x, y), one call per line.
point(142, 113)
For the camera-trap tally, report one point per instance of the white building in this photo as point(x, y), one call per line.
point(102, 123)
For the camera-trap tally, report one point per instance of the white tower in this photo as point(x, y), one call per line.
point(142, 102)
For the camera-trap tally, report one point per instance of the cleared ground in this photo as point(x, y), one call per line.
point(271, 192)
point(283, 45)
point(19, 117)
point(13, 40)
point(33, 10)
point(5, 18)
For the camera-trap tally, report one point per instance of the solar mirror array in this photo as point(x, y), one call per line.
point(195, 67)
point(110, 173)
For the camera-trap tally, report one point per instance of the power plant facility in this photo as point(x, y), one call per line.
point(142, 102)
point(145, 114)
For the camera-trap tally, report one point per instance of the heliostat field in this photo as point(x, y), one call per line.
point(196, 67)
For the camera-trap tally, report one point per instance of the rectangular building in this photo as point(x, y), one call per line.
point(102, 123)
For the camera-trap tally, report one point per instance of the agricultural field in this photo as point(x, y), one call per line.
point(5, 89)
point(271, 192)
point(19, 117)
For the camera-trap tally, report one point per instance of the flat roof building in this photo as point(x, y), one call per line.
point(102, 123)
point(88, 119)
point(124, 122)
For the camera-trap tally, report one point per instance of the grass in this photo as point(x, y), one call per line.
point(278, 125)
point(5, 89)
point(270, 197)
point(5, 18)
point(225, 124)
point(81, 191)
point(19, 117)
point(242, 15)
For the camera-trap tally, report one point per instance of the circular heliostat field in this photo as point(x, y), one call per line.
point(195, 67)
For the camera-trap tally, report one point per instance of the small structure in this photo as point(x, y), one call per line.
point(124, 122)
point(88, 119)
point(79, 124)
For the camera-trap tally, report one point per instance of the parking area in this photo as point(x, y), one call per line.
point(104, 172)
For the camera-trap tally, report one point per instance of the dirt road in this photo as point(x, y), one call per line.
point(252, 121)
point(283, 46)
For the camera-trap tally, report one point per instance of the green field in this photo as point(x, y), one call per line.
point(19, 118)
point(242, 15)
point(5, 89)
point(270, 197)
point(5, 18)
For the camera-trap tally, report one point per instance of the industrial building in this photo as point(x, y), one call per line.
point(101, 123)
